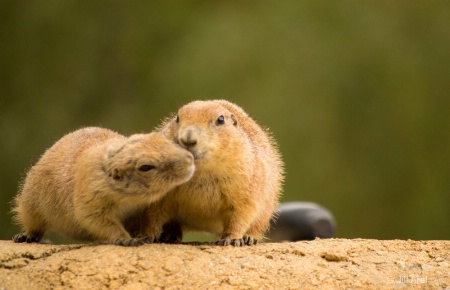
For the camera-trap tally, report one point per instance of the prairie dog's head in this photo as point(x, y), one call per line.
point(149, 164)
point(207, 129)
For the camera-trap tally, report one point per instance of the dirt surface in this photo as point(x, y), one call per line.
point(329, 264)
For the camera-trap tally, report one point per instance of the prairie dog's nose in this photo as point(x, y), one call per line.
point(188, 138)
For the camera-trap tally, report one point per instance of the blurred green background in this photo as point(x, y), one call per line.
point(355, 92)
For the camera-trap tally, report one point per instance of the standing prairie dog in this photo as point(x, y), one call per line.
point(89, 181)
point(237, 182)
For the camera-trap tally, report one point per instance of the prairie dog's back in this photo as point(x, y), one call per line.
point(67, 151)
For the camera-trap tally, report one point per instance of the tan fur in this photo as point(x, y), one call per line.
point(89, 181)
point(238, 177)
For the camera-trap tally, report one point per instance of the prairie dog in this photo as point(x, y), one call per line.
point(237, 183)
point(89, 181)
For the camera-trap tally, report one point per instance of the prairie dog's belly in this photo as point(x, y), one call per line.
point(202, 209)
point(204, 224)
point(73, 230)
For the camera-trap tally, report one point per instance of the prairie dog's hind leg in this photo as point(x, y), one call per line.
point(33, 225)
point(234, 229)
point(29, 238)
point(172, 233)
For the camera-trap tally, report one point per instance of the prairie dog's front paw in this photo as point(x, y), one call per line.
point(229, 241)
point(22, 238)
point(130, 242)
point(249, 241)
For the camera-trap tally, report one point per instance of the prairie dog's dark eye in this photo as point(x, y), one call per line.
point(220, 120)
point(177, 119)
point(146, 167)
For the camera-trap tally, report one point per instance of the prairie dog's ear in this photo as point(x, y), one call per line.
point(117, 174)
point(233, 117)
point(167, 125)
point(113, 149)
point(169, 128)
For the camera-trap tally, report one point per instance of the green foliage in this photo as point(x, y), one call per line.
point(355, 92)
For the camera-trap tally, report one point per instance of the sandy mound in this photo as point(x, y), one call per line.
point(335, 263)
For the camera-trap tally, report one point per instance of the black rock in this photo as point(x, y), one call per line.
point(298, 221)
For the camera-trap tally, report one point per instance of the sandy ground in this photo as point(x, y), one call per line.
point(326, 264)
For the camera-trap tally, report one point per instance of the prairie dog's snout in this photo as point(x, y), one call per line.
point(188, 160)
point(188, 136)
point(181, 166)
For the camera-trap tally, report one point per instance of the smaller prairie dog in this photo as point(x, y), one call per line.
point(237, 182)
point(89, 181)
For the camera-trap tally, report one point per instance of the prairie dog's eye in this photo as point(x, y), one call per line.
point(220, 120)
point(177, 119)
point(146, 167)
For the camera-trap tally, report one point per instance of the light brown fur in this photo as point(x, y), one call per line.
point(238, 177)
point(89, 181)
